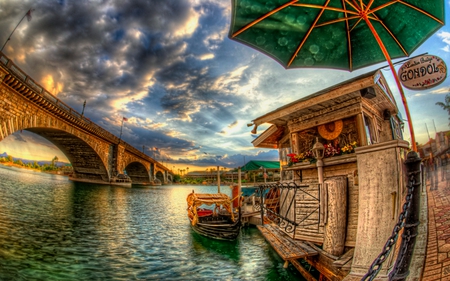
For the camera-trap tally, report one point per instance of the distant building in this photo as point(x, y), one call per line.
point(231, 175)
point(437, 150)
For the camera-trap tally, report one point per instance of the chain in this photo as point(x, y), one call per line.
point(378, 262)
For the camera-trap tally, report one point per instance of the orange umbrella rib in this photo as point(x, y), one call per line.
point(263, 17)
point(422, 11)
point(392, 35)
point(397, 80)
point(326, 8)
point(381, 6)
point(307, 34)
point(372, 11)
point(356, 24)
point(353, 4)
point(338, 20)
point(349, 44)
point(368, 6)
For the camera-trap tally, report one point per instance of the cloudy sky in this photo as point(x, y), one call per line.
point(171, 70)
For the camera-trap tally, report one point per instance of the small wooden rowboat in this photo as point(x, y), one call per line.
point(219, 223)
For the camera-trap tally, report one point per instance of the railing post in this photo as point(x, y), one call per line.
point(401, 268)
point(261, 202)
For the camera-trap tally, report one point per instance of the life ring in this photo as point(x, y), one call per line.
point(331, 130)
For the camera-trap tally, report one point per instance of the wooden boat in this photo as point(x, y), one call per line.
point(121, 180)
point(219, 223)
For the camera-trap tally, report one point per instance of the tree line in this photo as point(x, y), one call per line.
point(46, 167)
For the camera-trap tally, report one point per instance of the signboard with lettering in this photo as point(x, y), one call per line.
point(422, 72)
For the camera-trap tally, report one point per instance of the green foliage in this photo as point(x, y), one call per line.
point(35, 165)
point(445, 105)
point(176, 178)
point(54, 161)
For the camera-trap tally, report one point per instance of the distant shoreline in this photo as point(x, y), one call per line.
point(9, 164)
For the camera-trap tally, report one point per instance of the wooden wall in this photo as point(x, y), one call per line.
point(307, 200)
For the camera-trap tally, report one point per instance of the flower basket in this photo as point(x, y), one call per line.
point(307, 158)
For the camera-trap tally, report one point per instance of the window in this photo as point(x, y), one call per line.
point(284, 151)
point(369, 128)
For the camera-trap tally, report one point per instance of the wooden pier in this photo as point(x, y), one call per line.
point(288, 248)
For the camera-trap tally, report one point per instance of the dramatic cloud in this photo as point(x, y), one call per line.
point(445, 36)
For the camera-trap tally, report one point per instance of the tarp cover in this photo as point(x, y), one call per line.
point(256, 165)
point(195, 200)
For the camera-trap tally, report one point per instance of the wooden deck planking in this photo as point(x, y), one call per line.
point(288, 248)
point(344, 259)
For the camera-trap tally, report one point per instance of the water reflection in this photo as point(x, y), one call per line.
point(228, 250)
point(55, 229)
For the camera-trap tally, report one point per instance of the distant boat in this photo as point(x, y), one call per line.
point(121, 180)
point(155, 182)
point(218, 223)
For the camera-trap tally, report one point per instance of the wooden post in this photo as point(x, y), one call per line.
point(239, 181)
point(334, 240)
point(218, 179)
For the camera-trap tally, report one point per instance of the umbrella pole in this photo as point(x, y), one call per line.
point(397, 80)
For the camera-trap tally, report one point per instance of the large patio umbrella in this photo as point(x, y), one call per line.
point(340, 34)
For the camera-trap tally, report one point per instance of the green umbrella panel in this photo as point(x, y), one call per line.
point(335, 33)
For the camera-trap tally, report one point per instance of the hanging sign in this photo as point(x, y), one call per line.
point(422, 72)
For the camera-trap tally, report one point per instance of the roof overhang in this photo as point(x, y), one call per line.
point(325, 103)
point(269, 138)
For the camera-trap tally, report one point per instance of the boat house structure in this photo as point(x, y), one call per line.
point(343, 149)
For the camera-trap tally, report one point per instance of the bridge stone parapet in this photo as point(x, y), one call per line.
point(95, 154)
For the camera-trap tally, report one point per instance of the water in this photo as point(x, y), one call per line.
point(55, 229)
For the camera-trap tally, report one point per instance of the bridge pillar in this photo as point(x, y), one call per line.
point(118, 165)
point(152, 171)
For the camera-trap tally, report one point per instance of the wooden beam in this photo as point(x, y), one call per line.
point(308, 276)
point(352, 110)
point(288, 248)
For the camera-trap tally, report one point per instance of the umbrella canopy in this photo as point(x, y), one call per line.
point(335, 33)
point(340, 34)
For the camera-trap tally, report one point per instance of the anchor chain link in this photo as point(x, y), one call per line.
point(378, 262)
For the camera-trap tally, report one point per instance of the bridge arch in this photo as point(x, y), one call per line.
point(88, 157)
point(95, 153)
point(138, 172)
point(160, 176)
point(86, 160)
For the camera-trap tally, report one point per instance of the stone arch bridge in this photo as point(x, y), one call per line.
point(96, 155)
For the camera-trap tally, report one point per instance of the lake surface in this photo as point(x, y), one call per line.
point(55, 229)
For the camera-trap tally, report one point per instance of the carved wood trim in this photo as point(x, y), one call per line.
point(349, 111)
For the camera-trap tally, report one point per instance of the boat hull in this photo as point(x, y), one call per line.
point(123, 184)
point(221, 228)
